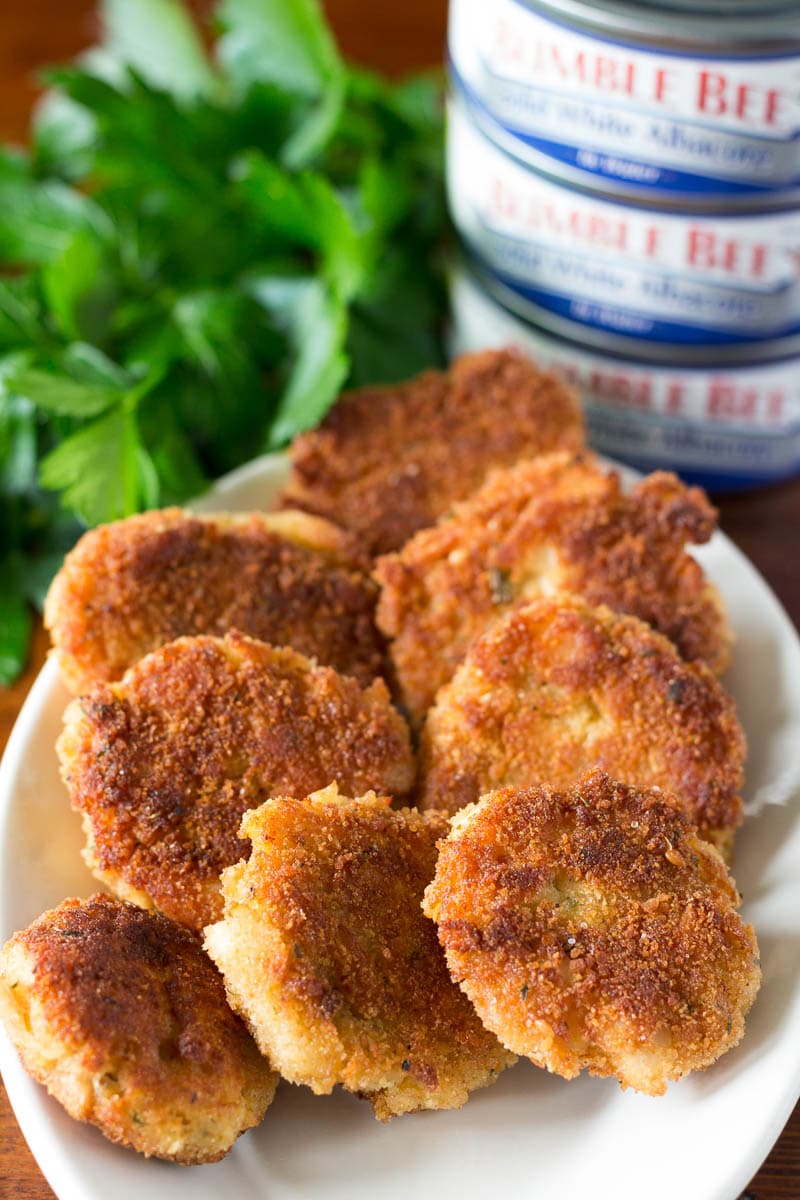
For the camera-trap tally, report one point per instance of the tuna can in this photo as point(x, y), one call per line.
point(727, 426)
point(677, 100)
point(620, 344)
point(623, 266)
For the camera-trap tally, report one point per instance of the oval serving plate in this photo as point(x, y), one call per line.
point(530, 1134)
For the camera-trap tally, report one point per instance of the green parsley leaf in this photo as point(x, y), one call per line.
point(385, 194)
point(63, 135)
point(17, 444)
point(56, 534)
point(149, 483)
point(80, 288)
point(276, 198)
point(57, 393)
point(307, 211)
point(38, 220)
point(342, 246)
point(393, 330)
point(21, 317)
point(310, 138)
point(160, 40)
point(87, 364)
point(418, 102)
point(98, 469)
point(171, 453)
point(15, 619)
point(40, 572)
point(286, 43)
point(14, 164)
point(281, 42)
point(227, 343)
point(315, 324)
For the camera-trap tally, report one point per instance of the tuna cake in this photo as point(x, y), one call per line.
point(285, 578)
point(555, 524)
point(387, 461)
point(326, 953)
point(123, 1018)
point(592, 928)
point(163, 764)
point(557, 687)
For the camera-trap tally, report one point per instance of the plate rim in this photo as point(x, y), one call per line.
point(52, 1158)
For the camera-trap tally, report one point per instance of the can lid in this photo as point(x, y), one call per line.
point(720, 24)
point(727, 7)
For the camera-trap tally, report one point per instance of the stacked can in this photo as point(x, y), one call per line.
point(625, 180)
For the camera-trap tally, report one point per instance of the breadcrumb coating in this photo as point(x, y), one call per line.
point(557, 687)
point(285, 578)
point(592, 928)
point(163, 764)
point(559, 523)
point(387, 461)
point(326, 953)
point(123, 1018)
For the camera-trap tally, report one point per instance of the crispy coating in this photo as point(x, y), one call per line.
point(163, 764)
point(326, 953)
point(387, 461)
point(285, 578)
point(557, 687)
point(556, 524)
point(593, 928)
point(123, 1018)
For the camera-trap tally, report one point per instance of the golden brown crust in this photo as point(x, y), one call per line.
point(593, 928)
point(120, 1014)
point(285, 578)
point(387, 461)
point(164, 763)
point(557, 687)
point(559, 523)
point(327, 954)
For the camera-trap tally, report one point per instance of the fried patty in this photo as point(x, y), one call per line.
point(123, 1018)
point(326, 953)
point(387, 461)
point(163, 764)
point(285, 578)
point(592, 927)
point(557, 687)
point(555, 524)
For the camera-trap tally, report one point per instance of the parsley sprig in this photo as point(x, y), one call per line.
point(197, 252)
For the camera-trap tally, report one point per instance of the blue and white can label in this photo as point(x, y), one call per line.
point(724, 426)
point(669, 120)
point(622, 267)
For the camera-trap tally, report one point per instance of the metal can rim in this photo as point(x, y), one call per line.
point(756, 203)
point(614, 345)
point(703, 24)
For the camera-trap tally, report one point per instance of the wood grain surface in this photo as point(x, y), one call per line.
point(396, 38)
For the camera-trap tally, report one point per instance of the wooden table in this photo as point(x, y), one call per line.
point(395, 37)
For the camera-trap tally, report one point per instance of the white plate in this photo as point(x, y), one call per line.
point(531, 1134)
